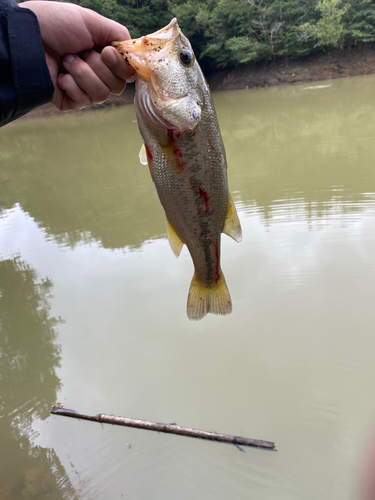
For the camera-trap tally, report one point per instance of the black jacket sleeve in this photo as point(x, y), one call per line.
point(25, 82)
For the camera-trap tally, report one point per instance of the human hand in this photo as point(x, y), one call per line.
point(72, 38)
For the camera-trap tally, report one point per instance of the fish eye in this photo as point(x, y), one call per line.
point(186, 57)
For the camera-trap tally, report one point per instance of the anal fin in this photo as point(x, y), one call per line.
point(232, 226)
point(175, 241)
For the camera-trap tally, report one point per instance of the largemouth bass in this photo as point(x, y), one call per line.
point(185, 154)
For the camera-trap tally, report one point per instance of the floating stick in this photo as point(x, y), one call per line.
point(169, 428)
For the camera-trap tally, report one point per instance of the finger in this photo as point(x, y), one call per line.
point(75, 98)
point(115, 84)
point(104, 31)
point(117, 64)
point(85, 78)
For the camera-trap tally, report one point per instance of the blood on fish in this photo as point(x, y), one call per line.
point(149, 154)
point(170, 133)
point(181, 163)
point(177, 153)
point(173, 155)
point(179, 159)
point(205, 197)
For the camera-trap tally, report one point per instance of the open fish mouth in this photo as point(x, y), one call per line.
point(140, 52)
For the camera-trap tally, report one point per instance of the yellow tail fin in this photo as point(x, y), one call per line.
point(208, 299)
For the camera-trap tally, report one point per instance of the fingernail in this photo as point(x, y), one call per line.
point(69, 58)
point(110, 57)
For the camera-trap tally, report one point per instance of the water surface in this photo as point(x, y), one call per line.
point(92, 307)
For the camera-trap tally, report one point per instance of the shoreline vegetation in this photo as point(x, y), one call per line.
point(256, 43)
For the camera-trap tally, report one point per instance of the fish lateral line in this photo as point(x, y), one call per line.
point(217, 270)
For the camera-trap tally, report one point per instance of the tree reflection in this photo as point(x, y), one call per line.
point(29, 357)
point(80, 179)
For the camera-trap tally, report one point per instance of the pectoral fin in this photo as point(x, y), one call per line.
point(174, 240)
point(143, 155)
point(232, 226)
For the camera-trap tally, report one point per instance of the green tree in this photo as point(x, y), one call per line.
point(232, 32)
point(359, 22)
point(329, 30)
point(227, 33)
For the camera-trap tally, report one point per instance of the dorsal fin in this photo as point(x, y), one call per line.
point(175, 241)
point(232, 226)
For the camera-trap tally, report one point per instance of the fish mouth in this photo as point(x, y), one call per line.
point(158, 96)
point(170, 31)
point(139, 52)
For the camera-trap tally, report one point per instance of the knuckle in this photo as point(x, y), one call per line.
point(66, 82)
point(80, 69)
point(93, 60)
point(101, 94)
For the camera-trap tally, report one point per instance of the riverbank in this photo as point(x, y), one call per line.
point(337, 64)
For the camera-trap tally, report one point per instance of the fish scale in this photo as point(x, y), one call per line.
point(186, 157)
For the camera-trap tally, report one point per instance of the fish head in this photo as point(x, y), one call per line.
point(168, 72)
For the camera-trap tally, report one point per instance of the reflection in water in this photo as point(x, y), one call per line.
point(81, 180)
point(29, 357)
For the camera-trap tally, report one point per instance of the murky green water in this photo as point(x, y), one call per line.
point(92, 307)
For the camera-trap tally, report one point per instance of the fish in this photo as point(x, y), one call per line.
point(184, 150)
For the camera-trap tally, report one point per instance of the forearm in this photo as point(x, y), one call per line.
point(25, 81)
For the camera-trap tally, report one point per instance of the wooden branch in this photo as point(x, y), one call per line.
point(169, 428)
